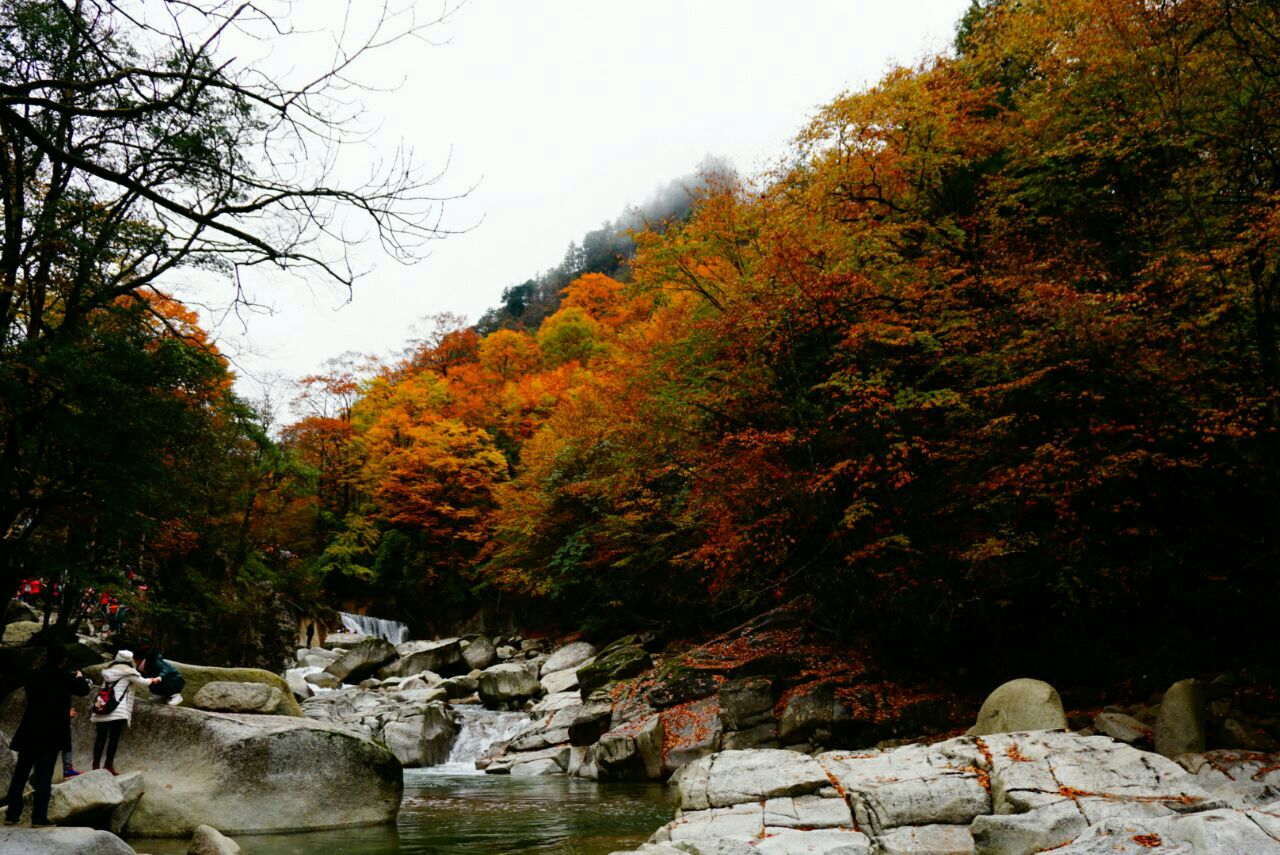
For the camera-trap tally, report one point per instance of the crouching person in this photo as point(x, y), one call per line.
point(169, 689)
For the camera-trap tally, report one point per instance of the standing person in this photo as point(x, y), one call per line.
point(68, 768)
point(169, 689)
point(45, 730)
point(113, 710)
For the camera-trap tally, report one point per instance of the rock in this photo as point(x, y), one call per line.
point(632, 752)
point(61, 841)
point(440, 728)
point(344, 640)
point(424, 680)
point(131, 789)
point(17, 611)
point(296, 680)
point(317, 657)
point(369, 683)
point(1121, 727)
point(735, 777)
point(746, 702)
point(761, 736)
point(362, 660)
point(239, 697)
point(1180, 722)
point(506, 685)
point(322, 680)
point(672, 689)
point(21, 632)
point(460, 687)
point(198, 675)
point(87, 799)
point(536, 767)
point(810, 709)
point(209, 841)
point(1215, 831)
point(926, 840)
point(592, 720)
point(1239, 734)
point(613, 663)
point(571, 656)
point(690, 731)
point(241, 773)
point(559, 681)
point(480, 654)
point(505, 652)
point(439, 657)
point(503, 765)
point(1020, 705)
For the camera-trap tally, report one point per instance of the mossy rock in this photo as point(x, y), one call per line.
point(616, 663)
point(197, 676)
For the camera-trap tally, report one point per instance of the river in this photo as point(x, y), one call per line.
point(451, 810)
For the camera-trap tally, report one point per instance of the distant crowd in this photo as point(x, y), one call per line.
point(103, 607)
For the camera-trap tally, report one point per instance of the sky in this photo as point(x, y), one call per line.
point(554, 116)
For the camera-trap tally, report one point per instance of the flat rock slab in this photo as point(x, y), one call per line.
point(61, 841)
point(734, 777)
point(1256, 832)
point(926, 840)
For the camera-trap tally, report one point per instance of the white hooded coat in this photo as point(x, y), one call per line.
point(124, 677)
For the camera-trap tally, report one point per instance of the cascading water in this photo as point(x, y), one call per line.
point(392, 630)
point(480, 730)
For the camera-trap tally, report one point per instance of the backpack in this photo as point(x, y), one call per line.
point(106, 701)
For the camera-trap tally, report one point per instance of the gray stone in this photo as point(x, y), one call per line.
point(809, 710)
point(912, 785)
point(209, 841)
point(344, 640)
point(242, 773)
point(21, 632)
point(1180, 722)
point(505, 652)
point(1020, 705)
point(19, 611)
point(610, 665)
point(508, 684)
point(829, 842)
point(545, 766)
point(480, 654)
point(87, 799)
point(61, 841)
point(1215, 831)
point(760, 736)
point(239, 697)
point(297, 680)
point(322, 680)
point(571, 656)
point(362, 660)
point(131, 790)
point(1241, 734)
point(1121, 727)
point(460, 687)
point(557, 682)
point(746, 702)
point(734, 777)
point(439, 657)
point(926, 840)
point(807, 812)
point(632, 752)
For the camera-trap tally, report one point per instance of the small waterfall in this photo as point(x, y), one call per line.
point(480, 730)
point(392, 630)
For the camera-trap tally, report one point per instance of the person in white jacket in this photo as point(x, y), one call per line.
point(119, 678)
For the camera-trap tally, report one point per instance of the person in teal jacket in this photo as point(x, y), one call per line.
point(169, 689)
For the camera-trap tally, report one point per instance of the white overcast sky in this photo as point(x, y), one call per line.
point(563, 113)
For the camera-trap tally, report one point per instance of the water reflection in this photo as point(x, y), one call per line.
point(452, 811)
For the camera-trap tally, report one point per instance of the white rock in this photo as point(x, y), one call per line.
point(791, 842)
point(926, 840)
point(207, 840)
point(560, 681)
point(734, 777)
point(807, 812)
point(568, 657)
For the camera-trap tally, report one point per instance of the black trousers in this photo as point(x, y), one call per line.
point(42, 762)
point(108, 735)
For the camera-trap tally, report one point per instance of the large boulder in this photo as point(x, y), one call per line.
point(443, 657)
point(20, 611)
point(239, 697)
point(61, 841)
point(424, 736)
point(197, 676)
point(616, 662)
point(591, 720)
point(480, 653)
point(632, 752)
point(508, 685)
point(812, 712)
point(242, 773)
point(570, 656)
point(1019, 705)
point(21, 632)
point(362, 660)
point(88, 799)
point(209, 841)
point(1180, 722)
point(747, 702)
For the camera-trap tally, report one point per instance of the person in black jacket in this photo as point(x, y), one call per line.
point(44, 732)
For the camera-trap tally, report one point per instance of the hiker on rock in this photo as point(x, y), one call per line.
point(113, 707)
point(169, 689)
point(45, 731)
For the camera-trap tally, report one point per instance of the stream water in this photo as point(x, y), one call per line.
point(454, 810)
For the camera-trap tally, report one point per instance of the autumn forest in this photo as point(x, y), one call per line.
point(987, 366)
